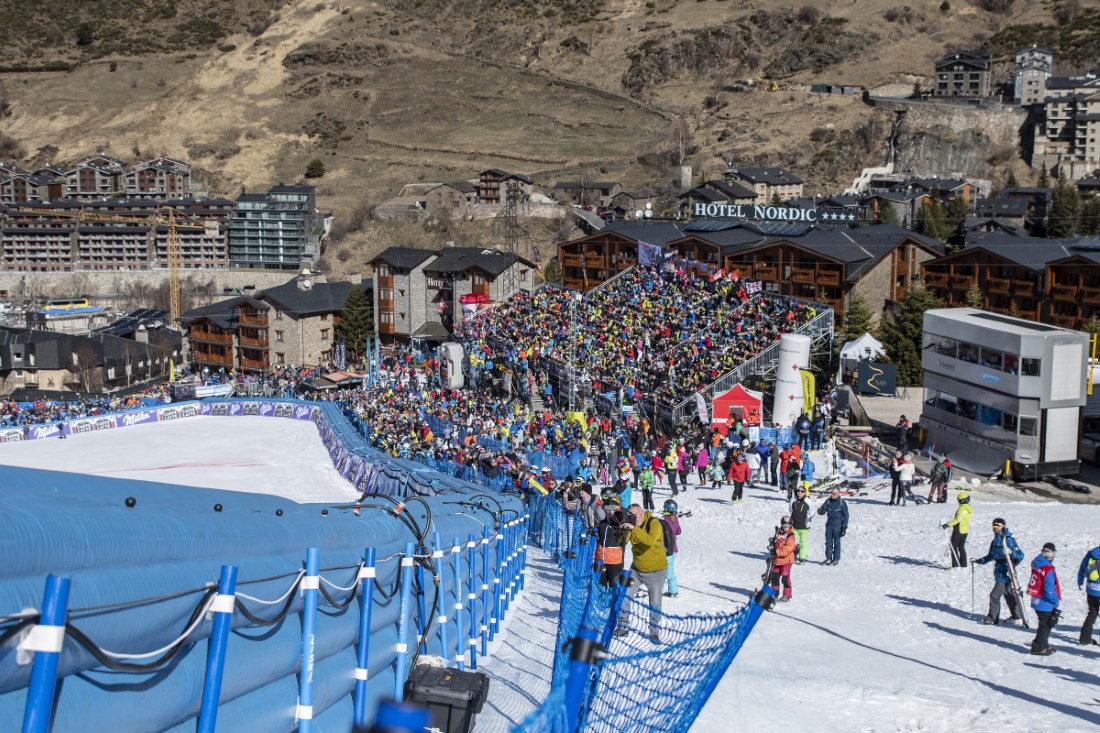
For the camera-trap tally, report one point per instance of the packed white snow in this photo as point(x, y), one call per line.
point(243, 453)
point(886, 641)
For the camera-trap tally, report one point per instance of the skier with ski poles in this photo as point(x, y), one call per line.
point(960, 529)
point(1089, 573)
point(1005, 553)
point(1045, 594)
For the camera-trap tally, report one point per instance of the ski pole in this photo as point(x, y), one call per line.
point(972, 611)
point(1016, 586)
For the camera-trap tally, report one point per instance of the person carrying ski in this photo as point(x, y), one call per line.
point(739, 475)
point(941, 474)
point(783, 552)
point(1045, 596)
point(835, 510)
point(1088, 578)
point(801, 515)
point(1004, 584)
point(670, 515)
point(646, 485)
point(960, 528)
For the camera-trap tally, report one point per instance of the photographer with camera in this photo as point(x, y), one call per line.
point(610, 541)
point(646, 536)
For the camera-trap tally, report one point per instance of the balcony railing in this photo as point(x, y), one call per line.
point(961, 281)
point(766, 273)
point(1090, 295)
point(254, 364)
point(1064, 321)
point(209, 337)
point(1064, 292)
point(803, 276)
point(999, 285)
point(571, 259)
point(253, 320)
point(255, 343)
point(828, 277)
point(1024, 287)
point(936, 279)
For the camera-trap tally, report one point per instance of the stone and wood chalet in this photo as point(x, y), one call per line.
point(294, 323)
point(767, 184)
point(493, 185)
point(418, 291)
point(586, 193)
point(964, 74)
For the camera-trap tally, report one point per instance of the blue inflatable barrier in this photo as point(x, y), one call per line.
point(144, 560)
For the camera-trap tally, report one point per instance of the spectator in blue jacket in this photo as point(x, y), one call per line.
point(807, 472)
point(1002, 582)
point(835, 511)
point(1045, 596)
point(1088, 578)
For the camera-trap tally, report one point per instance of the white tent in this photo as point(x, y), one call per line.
point(863, 348)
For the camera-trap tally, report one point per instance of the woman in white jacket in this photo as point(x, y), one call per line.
point(906, 471)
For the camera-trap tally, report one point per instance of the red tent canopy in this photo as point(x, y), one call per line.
point(738, 402)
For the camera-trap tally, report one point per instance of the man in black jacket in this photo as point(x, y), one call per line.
point(801, 514)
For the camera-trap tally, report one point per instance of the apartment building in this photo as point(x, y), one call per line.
point(276, 230)
point(963, 74)
point(1065, 135)
point(1033, 68)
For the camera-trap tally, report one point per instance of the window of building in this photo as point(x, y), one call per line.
point(991, 358)
point(386, 317)
point(1029, 426)
point(324, 316)
point(324, 334)
point(326, 355)
point(280, 357)
point(968, 353)
point(1031, 367)
point(278, 335)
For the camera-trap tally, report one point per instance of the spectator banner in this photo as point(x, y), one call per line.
point(649, 254)
point(701, 408)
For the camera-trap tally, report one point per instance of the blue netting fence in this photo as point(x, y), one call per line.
point(640, 684)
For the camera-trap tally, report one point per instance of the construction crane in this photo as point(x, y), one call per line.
point(162, 215)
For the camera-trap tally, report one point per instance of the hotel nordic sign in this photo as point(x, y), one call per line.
point(761, 212)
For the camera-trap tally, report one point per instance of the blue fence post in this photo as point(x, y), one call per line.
point(441, 618)
point(456, 559)
point(310, 585)
point(222, 607)
point(486, 615)
point(621, 591)
point(402, 647)
point(513, 560)
point(583, 652)
point(497, 582)
point(524, 528)
point(421, 604)
point(47, 639)
point(362, 649)
point(471, 545)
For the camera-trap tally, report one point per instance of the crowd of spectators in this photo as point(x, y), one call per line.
point(652, 332)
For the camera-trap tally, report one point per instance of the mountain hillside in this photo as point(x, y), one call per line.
point(397, 91)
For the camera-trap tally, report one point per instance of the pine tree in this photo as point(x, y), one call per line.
point(1044, 179)
point(315, 169)
point(357, 321)
point(902, 331)
point(1092, 325)
point(1065, 209)
point(955, 215)
point(1090, 216)
point(975, 298)
point(1011, 179)
point(859, 319)
point(552, 272)
point(887, 214)
point(930, 221)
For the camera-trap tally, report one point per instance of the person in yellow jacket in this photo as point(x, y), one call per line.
point(646, 535)
point(960, 529)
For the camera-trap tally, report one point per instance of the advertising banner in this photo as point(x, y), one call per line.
point(303, 412)
point(38, 432)
point(177, 412)
point(13, 435)
point(135, 417)
point(90, 425)
point(809, 391)
point(267, 409)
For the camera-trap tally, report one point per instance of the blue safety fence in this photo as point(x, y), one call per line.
point(616, 677)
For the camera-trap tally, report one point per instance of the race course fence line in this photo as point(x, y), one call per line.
point(608, 673)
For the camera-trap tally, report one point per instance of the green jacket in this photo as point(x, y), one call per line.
point(962, 518)
point(647, 543)
point(646, 479)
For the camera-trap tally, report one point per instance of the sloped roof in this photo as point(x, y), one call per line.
point(650, 232)
point(321, 297)
point(222, 313)
point(769, 176)
point(460, 259)
point(403, 258)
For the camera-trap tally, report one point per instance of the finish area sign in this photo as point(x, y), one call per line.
point(760, 212)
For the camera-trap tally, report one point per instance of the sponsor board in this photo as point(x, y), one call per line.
point(136, 417)
point(282, 409)
point(11, 436)
point(90, 425)
point(38, 432)
point(236, 408)
point(267, 409)
point(250, 408)
point(303, 412)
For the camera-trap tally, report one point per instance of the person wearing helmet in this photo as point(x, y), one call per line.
point(960, 528)
point(784, 547)
point(670, 515)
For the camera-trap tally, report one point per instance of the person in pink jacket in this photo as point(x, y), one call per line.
point(702, 460)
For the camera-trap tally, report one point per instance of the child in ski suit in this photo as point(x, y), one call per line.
point(1045, 595)
point(783, 559)
point(671, 516)
point(1003, 583)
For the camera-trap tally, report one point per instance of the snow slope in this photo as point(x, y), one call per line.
point(886, 641)
point(252, 454)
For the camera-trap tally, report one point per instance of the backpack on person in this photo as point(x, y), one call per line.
point(666, 535)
